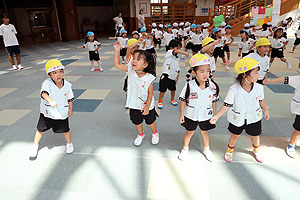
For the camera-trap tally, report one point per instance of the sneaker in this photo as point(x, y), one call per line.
point(34, 151)
point(258, 156)
point(291, 51)
point(92, 70)
point(289, 66)
point(20, 67)
point(138, 140)
point(291, 152)
point(209, 155)
point(155, 139)
point(160, 105)
point(174, 103)
point(123, 62)
point(228, 156)
point(183, 154)
point(14, 67)
point(226, 67)
point(101, 69)
point(69, 148)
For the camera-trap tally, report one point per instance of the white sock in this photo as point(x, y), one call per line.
point(185, 148)
point(92, 63)
point(206, 148)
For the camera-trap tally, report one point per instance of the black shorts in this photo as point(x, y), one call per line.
point(246, 54)
point(123, 52)
point(191, 125)
point(297, 41)
point(189, 45)
point(296, 124)
point(226, 48)
point(218, 52)
point(185, 37)
point(252, 36)
point(125, 87)
point(156, 41)
point(137, 118)
point(58, 126)
point(167, 48)
point(152, 50)
point(94, 56)
point(166, 83)
point(197, 47)
point(179, 38)
point(251, 129)
point(11, 50)
point(277, 53)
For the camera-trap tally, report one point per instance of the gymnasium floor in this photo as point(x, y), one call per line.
point(106, 164)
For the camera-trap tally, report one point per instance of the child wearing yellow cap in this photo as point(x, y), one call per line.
point(56, 106)
point(198, 104)
point(244, 103)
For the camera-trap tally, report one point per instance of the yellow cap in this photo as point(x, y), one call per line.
point(199, 59)
point(207, 40)
point(53, 65)
point(262, 42)
point(131, 41)
point(245, 64)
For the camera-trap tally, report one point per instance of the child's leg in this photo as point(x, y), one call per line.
point(11, 59)
point(295, 137)
point(294, 47)
point(153, 127)
point(232, 141)
point(38, 136)
point(224, 59)
point(205, 138)
point(92, 64)
point(69, 146)
point(286, 62)
point(139, 128)
point(161, 96)
point(283, 59)
point(228, 55)
point(68, 136)
point(255, 141)
point(123, 59)
point(187, 139)
point(172, 95)
point(99, 65)
point(18, 59)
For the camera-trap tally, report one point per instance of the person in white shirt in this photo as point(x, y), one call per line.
point(265, 32)
point(8, 32)
point(198, 105)
point(244, 103)
point(180, 31)
point(93, 46)
point(208, 49)
point(140, 99)
point(168, 36)
point(293, 81)
point(118, 21)
point(219, 51)
point(188, 41)
point(228, 41)
point(297, 41)
point(158, 36)
point(196, 39)
point(279, 43)
point(186, 31)
point(222, 28)
point(175, 30)
point(56, 106)
point(206, 30)
point(149, 44)
point(246, 44)
point(141, 20)
point(123, 41)
point(170, 72)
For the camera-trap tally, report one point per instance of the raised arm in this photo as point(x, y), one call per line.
point(117, 47)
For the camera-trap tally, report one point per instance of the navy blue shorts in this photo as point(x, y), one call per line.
point(11, 50)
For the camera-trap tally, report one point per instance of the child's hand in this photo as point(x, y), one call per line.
point(117, 46)
point(213, 120)
point(239, 55)
point(77, 47)
point(70, 112)
point(267, 115)
point(141, 39)
point(181, 119)
point(266, 81)
point(186, 54)
point(53, 104)
point(218, 41)
point(145, 111)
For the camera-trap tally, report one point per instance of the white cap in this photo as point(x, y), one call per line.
point(285, 22)
point(175, 24)
point(252, 23)
point(269, 23)
point(274, 26)
point(223, 24)
point(187, 23)
point(206, 24)
point(153, 25)
point(160, 26)
point(181, 24)
point(247, 25)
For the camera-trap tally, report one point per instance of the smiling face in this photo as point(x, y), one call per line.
point(227, 30)
point(138, 62)
point(57, 75)
point(253, 76)
point(279, 33)
point(91, 38)
point(202, 73)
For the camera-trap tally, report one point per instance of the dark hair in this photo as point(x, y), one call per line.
point(174, 43)
point(149, 58)
point(87, 39)
point(141, 10)
point(4, 15)
point(275, 32)
point(187, 91)
point(240, 77)
point(299, 27)
point(247, 36)
point(264, 27)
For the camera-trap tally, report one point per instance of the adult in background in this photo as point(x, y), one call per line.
point(118, 21)
point(141, 20)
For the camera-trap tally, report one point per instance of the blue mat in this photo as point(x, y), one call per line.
point(68, 61)
point(86, 105)
point(155, 86)
point(78, 92)
point(281, 88)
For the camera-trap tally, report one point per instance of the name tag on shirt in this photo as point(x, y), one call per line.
point(194, 95)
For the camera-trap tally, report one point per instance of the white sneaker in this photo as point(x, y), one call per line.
point(14, 67)
point(138, 140)
point(123, 62)
point(289, 66)
point(155, 139)
point(258, 156)
point(226, 67)
point(34, 151)
point(291, 51)
point(69, 148)
point(101, 69)
point(209, 155)
point(92, 70)
point(20, 67)
point(183, 154)
point(291, 152)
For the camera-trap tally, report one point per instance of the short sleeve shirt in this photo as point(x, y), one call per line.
point(92, 45)
point(9, 35)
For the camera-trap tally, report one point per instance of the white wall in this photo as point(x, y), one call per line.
point(295, 14)
point(203, 4)
point(137, 4)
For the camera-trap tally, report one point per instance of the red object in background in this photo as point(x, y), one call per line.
point(223, 1)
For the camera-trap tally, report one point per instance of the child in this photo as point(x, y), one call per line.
point(293, 81)
point(93, 46)
point(279, 43)
point(56, 106)
point(157, 37)
point(143, 35)
point(135, 35)
point(246, 45)
point(198, 105)
point(123, 41)
point(208, 49)
point(188, 41)
point(168, 36)
point(186, 31)
point(196, 39)
point(140, 99)
point(297, 41)
point(180, 31)
point(261, 56)
point(8, 31)
point(154, 29)
point(266, 31)
point(170, 72)
point(206, 30)
point(149, 44)
point(228, 40)
point(252, 30)
point(222, 28)
point(175, 30)
point(244, 101)
point(219, 52)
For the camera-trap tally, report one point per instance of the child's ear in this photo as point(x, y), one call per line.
point(145, 65)
point(194, 73)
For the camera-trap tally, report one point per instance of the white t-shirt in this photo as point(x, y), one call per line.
point(153, 31)
point(137, 93)
point(123, 42)
point(205, 33)
point(175, 32)
point(265, 33)
point(118, 21)
point(200, 101)
point(61, 96)
point(245, 46)
point(9, 35)
point(294, 81)
point(278, 43)
point(297, 33)
point(186, 31)
point(227, 39)
point(264, 64)
point(141, 21)
point(171, 65)
point(223, 30)
point(223, 39)
point(148, 42)
point(245, 106)
point(158, 34)
point(168, 37)
point(212, 63)
point(92, 45)
point(180, 32)
point(196, 38)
